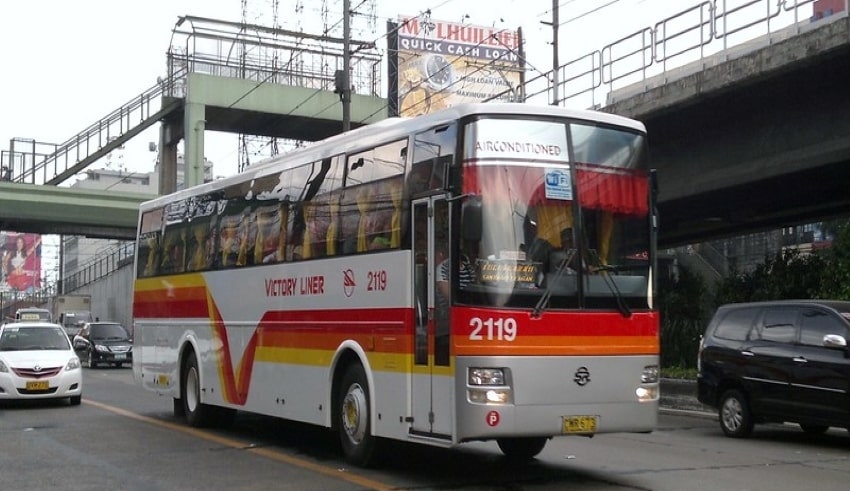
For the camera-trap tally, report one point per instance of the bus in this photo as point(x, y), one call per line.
point(408, 280)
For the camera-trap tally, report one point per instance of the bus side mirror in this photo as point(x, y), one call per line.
point(471, 219)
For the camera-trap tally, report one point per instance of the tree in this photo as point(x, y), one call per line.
point(835, 282)
point(787, 275)
point(683, 316)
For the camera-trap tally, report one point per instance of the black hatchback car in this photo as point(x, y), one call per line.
point(782, 361)
point(103, 342)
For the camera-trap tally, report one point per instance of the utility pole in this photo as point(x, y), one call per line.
point(346, 65)
point(555, 62)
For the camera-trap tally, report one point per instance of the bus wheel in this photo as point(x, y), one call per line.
point(521, 448)
point(179, 408)
point(197, 413)
point(355, 430)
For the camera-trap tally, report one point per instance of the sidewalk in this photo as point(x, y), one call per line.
point(681, 394)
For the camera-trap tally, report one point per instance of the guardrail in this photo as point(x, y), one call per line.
point(722, 28)
point(102, 265)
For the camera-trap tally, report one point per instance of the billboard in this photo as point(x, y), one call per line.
point(439, 64)
point(21, 261)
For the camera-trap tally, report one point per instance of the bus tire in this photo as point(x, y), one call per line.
point(354, 417)
point(521, 449)
point(179, 409)
point(197, 414)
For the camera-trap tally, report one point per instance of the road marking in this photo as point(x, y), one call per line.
point(342, 474)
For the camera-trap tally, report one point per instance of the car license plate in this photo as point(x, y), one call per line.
point(38, 385)
point(120, 356)
point(580, 424)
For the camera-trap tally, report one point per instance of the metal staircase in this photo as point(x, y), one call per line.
point(100, 138)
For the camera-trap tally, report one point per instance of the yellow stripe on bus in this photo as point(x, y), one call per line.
point(168, 282)
point(382, 362)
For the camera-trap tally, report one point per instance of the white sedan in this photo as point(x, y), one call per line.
point(38, 362)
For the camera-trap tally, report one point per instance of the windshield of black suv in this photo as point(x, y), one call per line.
point(108, 331)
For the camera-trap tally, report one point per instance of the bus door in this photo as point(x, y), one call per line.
point(432, 384)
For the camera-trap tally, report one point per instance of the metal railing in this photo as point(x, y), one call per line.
point(220, 48)
point(37, 167)
point(104, 264)
point(696, 37)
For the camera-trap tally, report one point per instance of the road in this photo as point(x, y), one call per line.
point(124, 438)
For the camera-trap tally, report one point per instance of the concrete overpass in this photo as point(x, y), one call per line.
point(41, 209)
point(749, 143)
point(268, 110)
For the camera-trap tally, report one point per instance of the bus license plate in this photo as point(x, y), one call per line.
point(38, 385)
point(580, 424)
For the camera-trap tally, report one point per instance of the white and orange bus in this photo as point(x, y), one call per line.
point(313, 286)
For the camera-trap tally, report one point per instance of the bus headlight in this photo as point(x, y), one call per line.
point(489, 396)
point(646, 394)
point(649, 375)
point(486, 376)
point(648, 390)
point(487, 386)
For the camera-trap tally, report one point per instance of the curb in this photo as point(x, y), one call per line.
point(681, 395)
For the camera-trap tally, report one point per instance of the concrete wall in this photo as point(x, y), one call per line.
point(112, 297)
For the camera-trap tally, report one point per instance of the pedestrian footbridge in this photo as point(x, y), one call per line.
point(222, 76)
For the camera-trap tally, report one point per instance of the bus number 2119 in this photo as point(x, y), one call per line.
point(490, 329)
point(377, 280)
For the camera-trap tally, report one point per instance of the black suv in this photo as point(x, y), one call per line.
point(103, 342)
point(782, 361)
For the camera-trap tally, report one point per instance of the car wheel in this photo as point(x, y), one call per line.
point(197, 413)
point(355, 432)
point(521, 449)
point(814, 429)
point(736, 420)
point(76, 400)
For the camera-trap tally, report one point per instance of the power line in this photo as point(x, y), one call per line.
point(612, 2)
point(549, 11)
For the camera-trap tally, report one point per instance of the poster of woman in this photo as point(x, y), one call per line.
point(21, 262)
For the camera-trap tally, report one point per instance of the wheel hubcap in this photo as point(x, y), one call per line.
point(192, 389)
point(732, 414)
point(354, 413)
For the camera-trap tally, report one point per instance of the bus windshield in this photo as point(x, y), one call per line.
point(563, 213)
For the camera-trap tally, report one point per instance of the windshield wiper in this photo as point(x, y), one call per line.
point(544, 299)
point(603, 270)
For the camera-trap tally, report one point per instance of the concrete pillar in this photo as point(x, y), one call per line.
point(193, 156)
point(167, 157)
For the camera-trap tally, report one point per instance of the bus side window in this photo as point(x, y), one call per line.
point(332, 233)
point(173, 250)
point(385, 217)
point(228, 245)
point(271, 234)
point(433, 150)
point(247, 236)
point(365, 207)
point(311, 245)
point(199, 247)
point(150, 243)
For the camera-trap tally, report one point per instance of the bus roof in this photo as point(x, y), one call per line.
point(397, 127)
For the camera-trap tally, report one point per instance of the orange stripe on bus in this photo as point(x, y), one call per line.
point(560, 346)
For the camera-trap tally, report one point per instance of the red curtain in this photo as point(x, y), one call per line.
point(619, 191)
point(622, 191)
